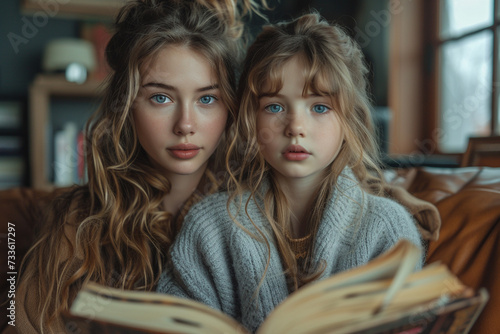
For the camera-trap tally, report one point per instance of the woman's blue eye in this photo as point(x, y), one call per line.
point(207, 99)
point(274, 108)
point(161, 99)
point(320, 109)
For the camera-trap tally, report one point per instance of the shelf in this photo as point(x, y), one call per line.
point(57, 85)
point(10, 132)
point(41, 90)
point(13, 145)
point(74, 8)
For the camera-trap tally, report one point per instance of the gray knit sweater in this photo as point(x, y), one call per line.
point(216, 262)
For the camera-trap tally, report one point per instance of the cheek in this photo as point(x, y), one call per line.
point(215, 126)
point(268, 128)
point(337, 136)
point(262, 131)
point(148, 128)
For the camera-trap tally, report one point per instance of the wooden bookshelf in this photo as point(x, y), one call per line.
point(41, 90)
point(106, 9)
point(13, 146)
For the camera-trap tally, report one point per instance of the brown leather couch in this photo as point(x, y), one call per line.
point(468, 200)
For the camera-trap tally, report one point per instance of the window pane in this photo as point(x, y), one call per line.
point(466, 74)
point(462, 16)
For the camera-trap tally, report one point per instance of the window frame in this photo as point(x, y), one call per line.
point(433, 58)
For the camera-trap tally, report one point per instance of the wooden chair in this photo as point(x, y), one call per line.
point(482, 151)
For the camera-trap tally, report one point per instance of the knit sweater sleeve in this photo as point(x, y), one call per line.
point(388, 222)
point(357, 227)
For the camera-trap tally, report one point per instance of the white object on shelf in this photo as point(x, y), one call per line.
point(65, 155)
point(74, 56)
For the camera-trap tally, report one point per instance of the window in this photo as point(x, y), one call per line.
point(467, 56)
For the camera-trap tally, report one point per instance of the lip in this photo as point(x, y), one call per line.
point(184, 151)
point(296, 153)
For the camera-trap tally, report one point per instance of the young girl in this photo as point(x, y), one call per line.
point(167, 104)
point(305, 186)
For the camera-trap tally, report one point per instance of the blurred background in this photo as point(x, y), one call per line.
point(433, 74)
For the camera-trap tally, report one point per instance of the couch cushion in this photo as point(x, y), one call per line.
point(24, 208)
point(468, 200)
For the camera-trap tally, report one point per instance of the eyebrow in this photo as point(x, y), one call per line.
point(282, 96)
point(269, 95)
point(169, 87)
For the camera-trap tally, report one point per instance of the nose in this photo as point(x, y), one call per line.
point(295, 126)
point(185, 122)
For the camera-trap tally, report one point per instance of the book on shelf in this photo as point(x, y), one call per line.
point(11, 171)
point(81, 172)
point(69, 156)
point(384, 296)
point(10, 115)
point(11, 146)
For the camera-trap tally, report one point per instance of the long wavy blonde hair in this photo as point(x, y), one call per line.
point(334, 67)
point(121, 235)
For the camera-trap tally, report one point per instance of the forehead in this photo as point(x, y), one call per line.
point(299, 71)
point(177, 62)
point(284, 73)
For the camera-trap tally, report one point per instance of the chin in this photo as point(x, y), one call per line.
point(293, 174)
point(186, 170)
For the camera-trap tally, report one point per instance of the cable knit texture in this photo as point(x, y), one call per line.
point(214, 261)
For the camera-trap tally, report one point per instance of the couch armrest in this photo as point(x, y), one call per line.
point(468, 200)
point(24, 209)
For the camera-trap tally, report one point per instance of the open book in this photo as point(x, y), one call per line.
point(383, 296)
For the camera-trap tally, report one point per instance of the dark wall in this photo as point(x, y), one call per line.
point(23, 37)
point(367, 21)
point(22, 40)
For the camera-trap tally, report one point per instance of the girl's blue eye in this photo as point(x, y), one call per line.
point(161, 99)
point(274, 108)
point(208, 99)
point(320, 109)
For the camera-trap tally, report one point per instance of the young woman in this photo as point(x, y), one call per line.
point(167, 105)
point(305, 188)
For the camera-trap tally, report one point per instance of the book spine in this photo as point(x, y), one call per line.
point(457, 317)
point(80, 150)
point(465, 318)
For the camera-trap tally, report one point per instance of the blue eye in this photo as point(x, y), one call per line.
point(274, 108)
point(161, 99)
point(320, 109)
point(208, 99)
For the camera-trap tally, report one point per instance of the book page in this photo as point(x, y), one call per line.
point(358, 309)
point(152, 311)
point(442, 316)
point(386, 266)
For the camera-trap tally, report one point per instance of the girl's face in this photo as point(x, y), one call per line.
point(178, 113)
point(299, 135)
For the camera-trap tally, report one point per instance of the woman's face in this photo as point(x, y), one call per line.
point(178, 113)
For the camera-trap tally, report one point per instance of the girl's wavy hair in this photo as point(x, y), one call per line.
point(334, 66)
point(122, 234)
